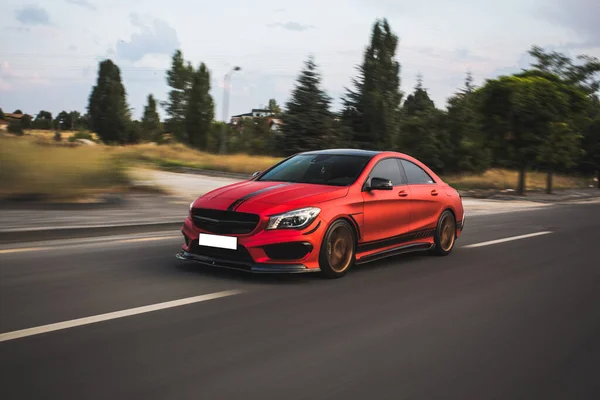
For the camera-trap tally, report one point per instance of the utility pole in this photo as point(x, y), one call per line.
point(226, 81)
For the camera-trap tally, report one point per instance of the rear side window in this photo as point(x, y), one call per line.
point(388, 169)
point(415, 174)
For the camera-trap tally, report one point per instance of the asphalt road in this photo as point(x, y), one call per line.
point(517, 319)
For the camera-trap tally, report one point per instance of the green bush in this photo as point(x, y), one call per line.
point(81, 134)
point(15, 128)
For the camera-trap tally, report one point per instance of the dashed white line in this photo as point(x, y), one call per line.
point(113, 315)
point(508, 239)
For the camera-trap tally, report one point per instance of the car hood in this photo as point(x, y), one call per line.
point(257, 196)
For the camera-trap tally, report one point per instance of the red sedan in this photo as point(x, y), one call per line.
point(324, 211)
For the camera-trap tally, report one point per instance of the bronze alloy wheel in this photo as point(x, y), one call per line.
point(447, 232)
point(340, 248)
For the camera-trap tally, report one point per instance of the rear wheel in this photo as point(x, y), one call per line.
point(338, 250)
point(445, 234)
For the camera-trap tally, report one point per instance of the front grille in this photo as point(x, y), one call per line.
point(224, 222)
point(240, 255)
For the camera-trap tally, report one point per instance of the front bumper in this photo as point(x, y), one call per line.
point(245, 266)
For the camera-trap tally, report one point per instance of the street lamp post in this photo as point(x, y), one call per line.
point(226, 81)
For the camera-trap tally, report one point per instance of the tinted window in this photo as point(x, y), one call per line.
point(323, 169)
point(388, 169)
point(415, 174)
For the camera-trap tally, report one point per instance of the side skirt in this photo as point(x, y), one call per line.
point(407, 248)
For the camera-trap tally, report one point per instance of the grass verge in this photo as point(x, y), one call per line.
point(36, 166)
point(29, 170)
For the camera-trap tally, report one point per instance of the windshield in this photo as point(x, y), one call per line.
point(322, 169)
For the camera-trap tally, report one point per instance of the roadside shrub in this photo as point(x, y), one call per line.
point(15, 128)
point(81, 134)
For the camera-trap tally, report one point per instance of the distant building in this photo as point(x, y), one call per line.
point(275, 124)
point(255, 113)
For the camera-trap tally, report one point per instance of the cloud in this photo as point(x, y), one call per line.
point(33, 15)
point(581, 16)
point(278, 10)
point(72, 47)
point(11, 78)
point(83, 3)
point(158, 38)
point(291, 26)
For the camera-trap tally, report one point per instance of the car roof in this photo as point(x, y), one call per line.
point(345, 152)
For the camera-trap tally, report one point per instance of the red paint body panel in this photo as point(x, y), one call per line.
point(383, 219)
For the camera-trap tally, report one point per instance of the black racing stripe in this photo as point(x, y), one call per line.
point(395, 240)
point(313, 230)
point(233, 206)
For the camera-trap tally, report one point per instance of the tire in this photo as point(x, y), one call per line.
point(341, 236)
point(445, 234)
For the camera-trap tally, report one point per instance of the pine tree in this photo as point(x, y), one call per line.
point(418, 101)
point(150, 120)
point(371, 109)
point(179, 78)
point(108, 111)
point(468, 150)
point(200, 109)
point(423, 133)
point(308, 120)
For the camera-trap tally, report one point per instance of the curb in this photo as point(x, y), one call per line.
point(207, 172)
point(11, 236)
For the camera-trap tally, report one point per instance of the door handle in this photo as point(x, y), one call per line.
point(434, 192)
point(402, 193)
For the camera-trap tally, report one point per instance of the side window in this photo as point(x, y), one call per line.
point(388, 169)
point(415, 174)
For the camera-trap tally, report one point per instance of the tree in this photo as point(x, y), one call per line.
point(422, 130)
point(560, 149)
point(68, 120)
point(419, 101)
point(308, 120)
point(591, 146)
point(179, 78)
point(43, 120)
point(274, 107)
point(18, 111)
point(1, 114)
point(372, 108)
point(518, 113)
point(200, 109)
point(468, 151)
point(256, 137)
point(151, 120)
point(109, 114)
point(586, 74)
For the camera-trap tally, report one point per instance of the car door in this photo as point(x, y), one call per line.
point(425, 206)
point(385, 211)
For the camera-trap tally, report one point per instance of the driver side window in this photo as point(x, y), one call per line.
point(388, 169)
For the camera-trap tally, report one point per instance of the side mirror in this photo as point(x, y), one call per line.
point(254, 175)
point(380, 184)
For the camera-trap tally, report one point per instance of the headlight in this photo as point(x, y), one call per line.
point(294, 219)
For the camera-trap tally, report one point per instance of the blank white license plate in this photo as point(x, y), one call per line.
point(222, 242)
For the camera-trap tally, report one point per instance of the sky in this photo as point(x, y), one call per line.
point(50, 49)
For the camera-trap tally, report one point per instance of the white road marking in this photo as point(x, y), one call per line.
point(508, 239)
point(113, 315)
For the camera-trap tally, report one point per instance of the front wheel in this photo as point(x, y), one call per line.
point(338, 250)
point(445, 234)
